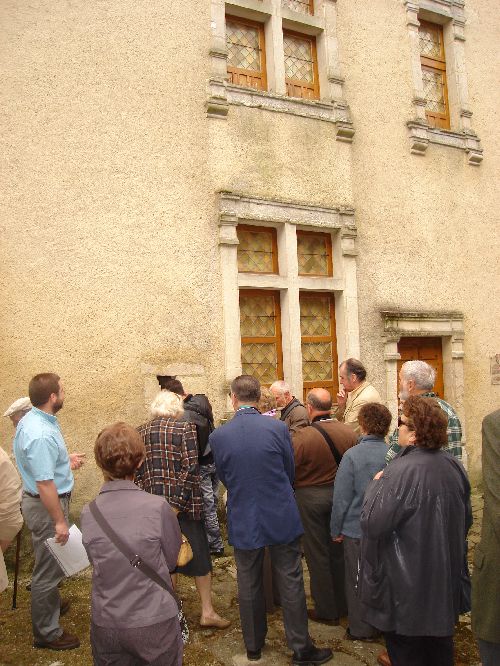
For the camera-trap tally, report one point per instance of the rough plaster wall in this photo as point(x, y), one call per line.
point(280, 156)
point(428, 226)
point(109, 256)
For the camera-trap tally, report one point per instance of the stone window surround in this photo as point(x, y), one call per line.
point(449, 326)
point(286, 217)
point(222, 94)
point(449, 13)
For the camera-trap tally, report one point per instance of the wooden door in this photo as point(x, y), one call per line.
point(429, 350)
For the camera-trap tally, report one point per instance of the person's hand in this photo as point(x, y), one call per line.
point(176, 511)
point(378, 475)
point(76, 460)
point(341, 397)
point(338, 539)
point(62, 532)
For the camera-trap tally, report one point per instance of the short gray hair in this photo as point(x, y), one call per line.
point(280, 386)
point(167, 405)
point(421, 372)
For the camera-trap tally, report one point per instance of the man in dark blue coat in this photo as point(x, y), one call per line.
point(254, 459)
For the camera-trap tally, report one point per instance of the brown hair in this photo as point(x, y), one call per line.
point(375, 419)
point(354, 367)
point(427, 420)
point(42, 386)
point(118, 450)
point(267, 400)
point(246, 389)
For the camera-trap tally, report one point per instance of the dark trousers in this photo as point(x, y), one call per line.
point(157, 645)
point(287, 573)
point(357, 627)
point(490, 653)
point(325, 559)
point(419, 650)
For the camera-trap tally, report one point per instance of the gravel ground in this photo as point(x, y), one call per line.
point(205, 647)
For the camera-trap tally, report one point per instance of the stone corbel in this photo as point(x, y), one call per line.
point(458, 27)
point(474, 156)
point(227, 229)
point(412, 8)
point(348, 236)
point(419, 141)
point(217, 105)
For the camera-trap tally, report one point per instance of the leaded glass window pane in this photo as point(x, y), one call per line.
point(257, 315)
point(317, 361)
point(243, 46)
point(256, 251)
point(299, 63)
point(260, 360)
point(315, 316)
point(433, 82)
point(430, 41)
point(313, 254)
point(303, 6)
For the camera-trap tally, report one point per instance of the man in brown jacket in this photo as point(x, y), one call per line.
point(486, 576)
point(293, 412)
point(318, 449)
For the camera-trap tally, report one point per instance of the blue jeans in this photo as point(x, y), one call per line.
point(210, 493)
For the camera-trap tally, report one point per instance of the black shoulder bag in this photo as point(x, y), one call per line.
point(329, 441)
point(138, 563)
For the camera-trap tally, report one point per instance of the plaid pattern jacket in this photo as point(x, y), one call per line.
point(454, 431)
point(171, 465)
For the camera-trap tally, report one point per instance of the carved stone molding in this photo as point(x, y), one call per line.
point(421, 135)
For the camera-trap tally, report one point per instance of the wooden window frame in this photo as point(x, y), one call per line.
point(277, 339)
point(333, 384)
point(274, 236)
point(258, 75)
point(438, 65)
point(329, 252)
point(298, 82)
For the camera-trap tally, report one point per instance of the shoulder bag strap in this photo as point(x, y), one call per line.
point(135, 560)
point(329, 441)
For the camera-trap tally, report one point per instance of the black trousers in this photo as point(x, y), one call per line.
point(287, 574)
point(419, 650)
point(325, 559)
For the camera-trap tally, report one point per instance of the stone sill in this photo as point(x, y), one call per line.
point(225, 94)
point(421, 135)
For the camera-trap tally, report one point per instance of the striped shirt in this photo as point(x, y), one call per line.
point(454, 432)
point(171, 467)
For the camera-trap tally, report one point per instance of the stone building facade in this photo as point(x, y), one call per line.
point(275, 185)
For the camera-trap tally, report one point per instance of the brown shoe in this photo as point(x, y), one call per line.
point(331, 622)
point(64, 642)
point(383, 659)
point(65, 606)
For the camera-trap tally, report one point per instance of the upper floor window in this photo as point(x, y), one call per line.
point(257, 249)
point(303, 6)
point(433, 63)
point(246, 61)
point(314, 253)
point(301, 65)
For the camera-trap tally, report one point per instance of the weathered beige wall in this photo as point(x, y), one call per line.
point(109, 255)
point(428, 226)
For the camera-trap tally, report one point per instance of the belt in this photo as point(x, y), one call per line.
point(25, 492)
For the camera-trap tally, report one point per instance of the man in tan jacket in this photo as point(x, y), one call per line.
point(11, 520)
point(356, 391)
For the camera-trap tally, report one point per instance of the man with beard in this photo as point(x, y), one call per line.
point(45, 468)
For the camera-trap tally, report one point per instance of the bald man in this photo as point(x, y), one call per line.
point(318, 449)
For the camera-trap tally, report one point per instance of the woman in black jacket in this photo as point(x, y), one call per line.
point(415, 520)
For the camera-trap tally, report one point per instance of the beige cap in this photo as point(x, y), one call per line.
point(21, 405)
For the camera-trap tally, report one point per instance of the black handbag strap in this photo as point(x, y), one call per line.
point(329, 441)
point(135, 560)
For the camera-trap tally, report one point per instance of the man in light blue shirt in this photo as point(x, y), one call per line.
point(45, 468)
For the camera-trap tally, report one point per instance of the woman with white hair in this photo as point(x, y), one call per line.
point(170, 469)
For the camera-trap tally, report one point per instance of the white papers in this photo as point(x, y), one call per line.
point(72, 557)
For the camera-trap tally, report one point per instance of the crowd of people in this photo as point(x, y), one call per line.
point(381, 520)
